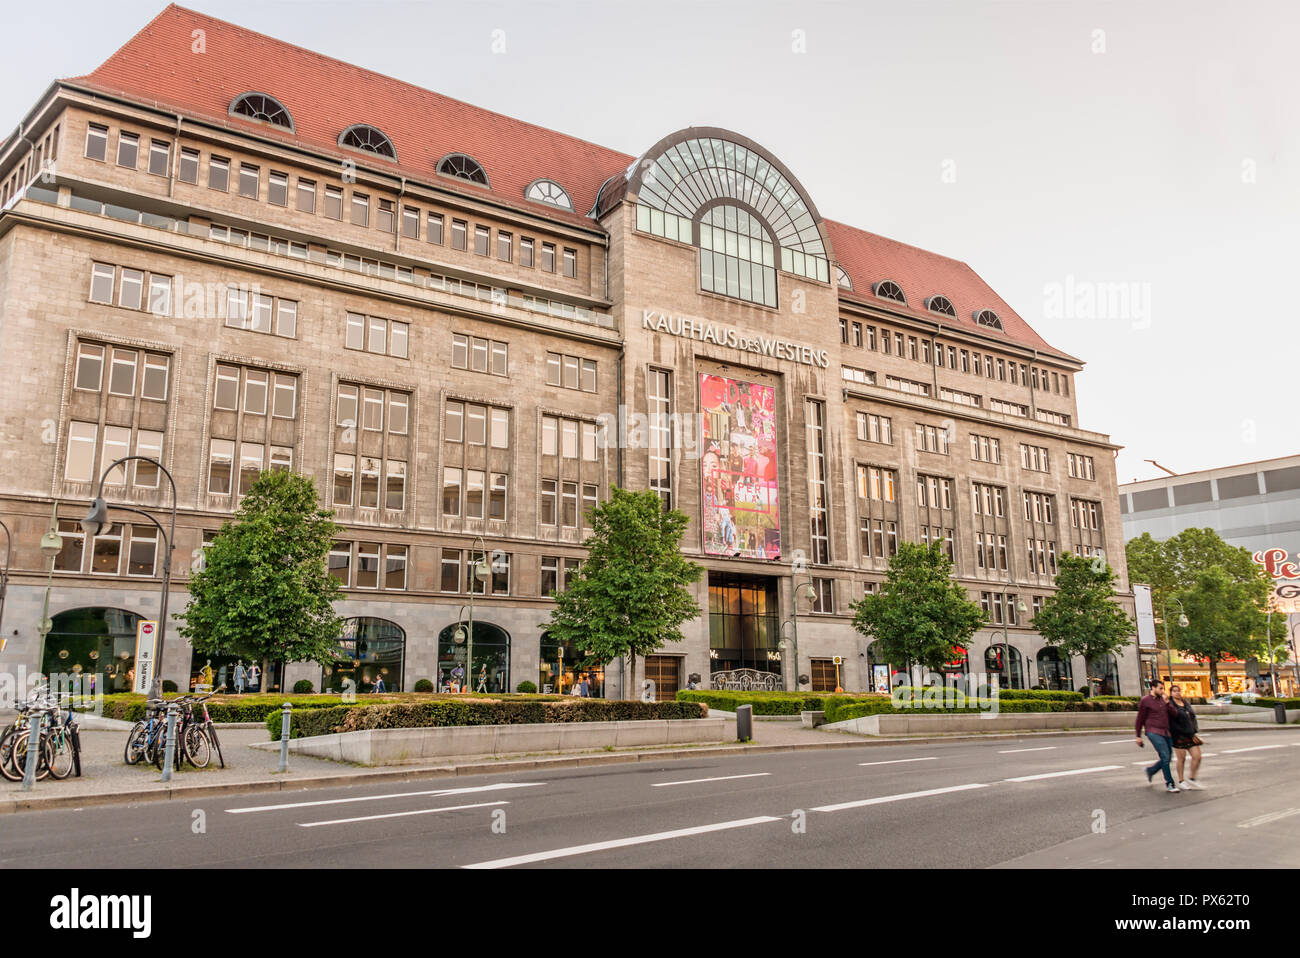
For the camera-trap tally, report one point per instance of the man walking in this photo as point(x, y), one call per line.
point(1153, 714)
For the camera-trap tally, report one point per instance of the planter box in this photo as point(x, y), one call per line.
point(410, 746)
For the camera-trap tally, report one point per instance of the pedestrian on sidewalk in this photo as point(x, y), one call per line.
point(1183, 726)
point(1153, 715)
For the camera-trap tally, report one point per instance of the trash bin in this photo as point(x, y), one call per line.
point(745, 722)
point(1279, 710)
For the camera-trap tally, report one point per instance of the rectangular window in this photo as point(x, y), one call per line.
point(384, 216)
point(281, 459)
point(360, 209)
point(505, 247)
point(344, 469)
point(549, 502)
point(306, 196)
point(435, 229)
point(251, 458)
point(128, 149)
point(160, 154)
point(131, 290)
point(874, 428)
point(219, 173)
point(395, 486)
point(397, 339)
point(372, 410)
point(286, 318)
point(500, 429)
point(237, 307)
point(334, 202)
point(497, 496)
point(74, 539)
point(277, 190)
point(550, 436)
point(97, 142)
point(368, 488)
point(398, 409)
point(121, 377)
point(101, 283)
point(569, 504)
point(355, 337)
point(570, 262)
point(548, 257)
point(250, 180)
point(378, 335)
point(823, 596)
point(499, 363)
point(525, 251)
point(263, 309)
point(588, 383)
point(482, 240)
point(474, 494)
point(550, 579)
point(818, 503)
point(90, 367)
point(340, 562)
point(450, 579)
point(283, 405)
point(153, 383)
point(450, 492)
point(106, 551)
point(459, 231)
point(395, 567)
point(221, 457)
point(160, 295)
point(80, 464)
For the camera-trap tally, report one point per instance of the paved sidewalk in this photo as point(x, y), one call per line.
point(252, 762)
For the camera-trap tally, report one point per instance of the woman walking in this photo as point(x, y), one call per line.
point(1182, 723)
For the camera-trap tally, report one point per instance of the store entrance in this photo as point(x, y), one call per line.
point(744, 631)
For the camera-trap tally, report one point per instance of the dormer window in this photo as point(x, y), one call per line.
point(548, 191)
point(888, 289)
point(986, 317)
point(260, 106)
point(463, 167)
point(941, 304)
point(842, 278)
point(368, 139)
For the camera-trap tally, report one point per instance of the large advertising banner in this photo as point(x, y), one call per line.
point(741, 501)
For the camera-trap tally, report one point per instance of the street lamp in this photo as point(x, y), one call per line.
point(1182, 624)
point(1006, 615)
point(51, 546)
point(478, 570)
point(95, 521)
point(804, 590)
point(4, 576)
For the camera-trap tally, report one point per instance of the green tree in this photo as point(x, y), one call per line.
point(1082, 617)
point(264, 592)
point(1225, 619)
point(920, 615)
point(630, 596)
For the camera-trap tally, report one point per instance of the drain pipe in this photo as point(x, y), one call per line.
point(176, 159)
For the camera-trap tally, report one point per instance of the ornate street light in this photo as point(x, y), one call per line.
point(1182, 623)
point(51, 546)
point(480, 570)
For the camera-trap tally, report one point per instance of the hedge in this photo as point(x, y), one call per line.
point(493, 711)
point(843, 708)
point(764, 703)
point(1267, 702)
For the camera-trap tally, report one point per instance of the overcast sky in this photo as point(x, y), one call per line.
point(1126, 175)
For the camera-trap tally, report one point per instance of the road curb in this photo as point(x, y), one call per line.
point(541, 763)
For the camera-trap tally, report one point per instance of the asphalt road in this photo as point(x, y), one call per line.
point(1062, 802)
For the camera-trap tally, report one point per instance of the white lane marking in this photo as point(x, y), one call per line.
point(1116, 741)
point(1012, 751)
point(420, 811)
point(719, 778)
point(1268, 817)
point(896, 761)
point(883, 799)
point(621, 843)
point(1253, 748)
point(376, 798)
point(1073, 771)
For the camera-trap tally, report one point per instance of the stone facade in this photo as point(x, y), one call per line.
point(198, 242)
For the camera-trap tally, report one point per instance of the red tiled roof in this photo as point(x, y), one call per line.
point(325, 96)
point(158, 67)
point(870, 259)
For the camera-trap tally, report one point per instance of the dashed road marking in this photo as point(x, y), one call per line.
point(718, 778)
point(884, 799)
point(418, 811)
point(1072, 771)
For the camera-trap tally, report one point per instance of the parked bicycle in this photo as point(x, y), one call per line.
point(58, 748)
point(195, 740)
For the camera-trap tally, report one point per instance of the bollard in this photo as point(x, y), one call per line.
point(169, 753)
point(284, 736)
point(33, 758)
point(745, 722)
point(1279, 712)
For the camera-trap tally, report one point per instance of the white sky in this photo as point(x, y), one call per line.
point(1169, 163)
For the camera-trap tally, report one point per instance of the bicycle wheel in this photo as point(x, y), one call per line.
point(7, 768)
point(59, 746)
point(44, 756)
point(135, 743)
point(211, 731)
point(197, 748)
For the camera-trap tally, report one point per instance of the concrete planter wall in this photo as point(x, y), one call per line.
point(976, 722)
point(408, 746)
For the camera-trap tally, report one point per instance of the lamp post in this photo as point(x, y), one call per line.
point(51, 546)
point(1006, 615)
point(478, 570)
point(4, 575)
point(94, 523)
point(804, 590)
point(1182, 623)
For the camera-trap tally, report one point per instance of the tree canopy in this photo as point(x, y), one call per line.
point(921, 614)
point(1082, 617)
point(631, 594)
point(264, 591)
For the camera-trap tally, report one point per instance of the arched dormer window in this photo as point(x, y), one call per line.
point(842, 278)
point(888, 289)
point(986, 317)
point(941, 304)
point(261, 106)
point(550, 192)
point(368, 139)
point(463, 167)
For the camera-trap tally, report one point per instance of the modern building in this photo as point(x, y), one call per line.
point(231, 254)
point(1255, 505)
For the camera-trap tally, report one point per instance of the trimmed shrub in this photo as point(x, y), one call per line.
point(423, 685)
point(764, 703)
point(303, 687)
point(1269, 702)
point(526, 687)
point(478, 711)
